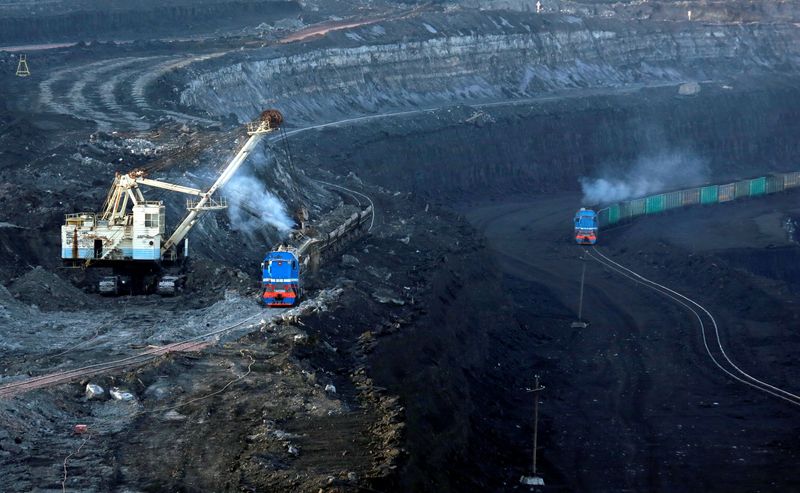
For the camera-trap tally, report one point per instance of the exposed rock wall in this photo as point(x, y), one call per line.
point(375, 68)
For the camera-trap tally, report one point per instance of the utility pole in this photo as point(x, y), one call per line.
point(536, 390)
point(534, 480)
point(580, 324)
point(583, 279)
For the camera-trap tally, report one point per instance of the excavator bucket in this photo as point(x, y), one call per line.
point(273, 117)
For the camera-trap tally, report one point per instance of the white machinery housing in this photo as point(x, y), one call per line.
point(135, 236)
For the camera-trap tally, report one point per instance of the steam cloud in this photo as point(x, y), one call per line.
point(648, 175)
point(251, 206)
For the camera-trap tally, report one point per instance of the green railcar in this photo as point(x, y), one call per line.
point(741, 189)
point(637, 207)
point(654, 204)
point(673, 200)
point(774, 183)
point(613, 214)
point(602, 218)
point(709, 194)
point(758, 186)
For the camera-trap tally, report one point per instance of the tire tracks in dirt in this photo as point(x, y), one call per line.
point(116, 102)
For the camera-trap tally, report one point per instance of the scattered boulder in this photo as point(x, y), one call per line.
point(283, 435)
point(94, 391)
point(349, 261)
point(379, 272)
point(121, 395)
point(173, 415)
point(387, 297)
point(689, 89)
point(159, 391)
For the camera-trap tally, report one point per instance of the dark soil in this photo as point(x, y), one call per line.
point(633, 402)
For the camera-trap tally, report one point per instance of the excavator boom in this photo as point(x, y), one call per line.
point(257, 130)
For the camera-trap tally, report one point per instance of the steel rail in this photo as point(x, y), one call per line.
point(14, 388)
point(687, 303)
point(65, 376)
point(372, 204)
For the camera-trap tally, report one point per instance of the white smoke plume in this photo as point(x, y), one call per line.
point(649, 175)
point(251, 206)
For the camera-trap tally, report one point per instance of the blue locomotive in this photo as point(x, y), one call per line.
point(280, 279)
point(585, 227)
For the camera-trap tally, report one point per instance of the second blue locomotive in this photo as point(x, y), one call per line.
point(585, 227)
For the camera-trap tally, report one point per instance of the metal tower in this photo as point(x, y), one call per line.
point(22, 67)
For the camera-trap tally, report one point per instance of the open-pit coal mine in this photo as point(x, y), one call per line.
point(371, 246)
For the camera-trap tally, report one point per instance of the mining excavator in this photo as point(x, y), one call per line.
point(128, 234)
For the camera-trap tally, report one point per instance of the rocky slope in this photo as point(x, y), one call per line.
point(431, 59)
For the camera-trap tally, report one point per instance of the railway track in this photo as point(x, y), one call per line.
point(355, 196)
point(193, 344)
point(708, 327)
